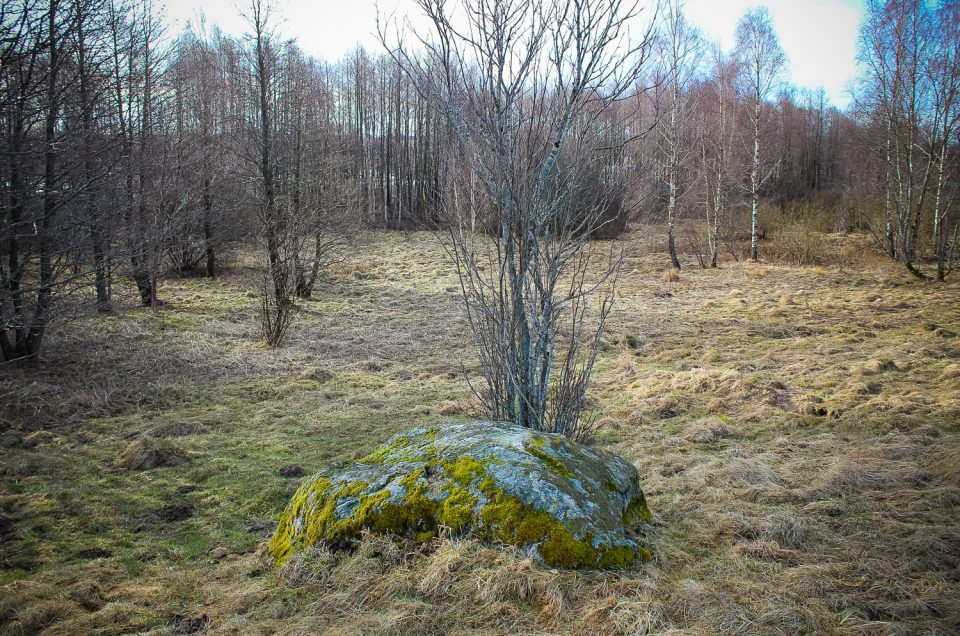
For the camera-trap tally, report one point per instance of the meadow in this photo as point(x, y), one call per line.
point(797, 430)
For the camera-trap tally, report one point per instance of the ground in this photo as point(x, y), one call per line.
point(796, 430)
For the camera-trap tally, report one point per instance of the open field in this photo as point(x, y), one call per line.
point(797, 431)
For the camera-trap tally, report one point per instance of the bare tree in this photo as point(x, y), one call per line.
point(897, 45)
point(680, 51)
point(35, 79)
point(279, 284)
point(944, 70)
point(716, 130)
point(203, 155)
point(908, 101)
point(525, 86)
point(91, 57)
point(319, 191)
point(761, 62)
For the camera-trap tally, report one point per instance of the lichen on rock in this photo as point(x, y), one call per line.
point(566, 504)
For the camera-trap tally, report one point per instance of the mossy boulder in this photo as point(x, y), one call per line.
point(565, 503)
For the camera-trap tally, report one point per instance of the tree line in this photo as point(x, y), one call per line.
point(130, 151)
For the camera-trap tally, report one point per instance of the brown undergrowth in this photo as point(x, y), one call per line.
point(796, 429)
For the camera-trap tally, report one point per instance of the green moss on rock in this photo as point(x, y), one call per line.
point(537, 446)
point(566, 504)
point(387, 450)
point(511, 521)
point(637, 512)
point(456, 511)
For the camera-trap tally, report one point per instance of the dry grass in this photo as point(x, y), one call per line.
point(706, 430)
point(147, 453)
point(796, 430)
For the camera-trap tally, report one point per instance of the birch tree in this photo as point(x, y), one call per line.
point(716, 140)
point(761, 63)
point(681, 53)
point(944, 71)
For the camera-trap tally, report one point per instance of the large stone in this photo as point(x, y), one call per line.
point(565, 503)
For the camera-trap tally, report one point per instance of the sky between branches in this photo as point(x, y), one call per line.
point(818, 36)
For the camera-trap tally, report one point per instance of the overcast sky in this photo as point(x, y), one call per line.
point(818, 36)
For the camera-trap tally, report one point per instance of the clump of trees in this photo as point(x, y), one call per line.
point(908, 111)
point(127, 153)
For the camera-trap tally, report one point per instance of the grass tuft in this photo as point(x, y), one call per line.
point(146, 453)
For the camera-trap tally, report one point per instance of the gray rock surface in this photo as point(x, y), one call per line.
point(567, 504)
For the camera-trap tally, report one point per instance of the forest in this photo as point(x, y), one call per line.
point(226, 265)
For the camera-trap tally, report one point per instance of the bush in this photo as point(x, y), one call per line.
point(798, 245)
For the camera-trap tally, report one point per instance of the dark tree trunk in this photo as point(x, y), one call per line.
point(208, 230)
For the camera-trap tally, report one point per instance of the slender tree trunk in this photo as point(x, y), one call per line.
point(755, 184)
point(93, 215)
point(45, 288)
point(940, 231)
point(140, 253)
point(266, 166)
point(207, 203)
point(888, 233)
point(672, 178)
point(15, 324)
